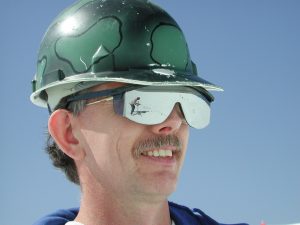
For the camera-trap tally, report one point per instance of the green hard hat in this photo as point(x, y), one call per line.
point(130, 41)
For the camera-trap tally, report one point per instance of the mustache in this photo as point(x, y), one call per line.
point(156, 143)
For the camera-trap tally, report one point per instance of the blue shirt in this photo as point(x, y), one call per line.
point(181, 215)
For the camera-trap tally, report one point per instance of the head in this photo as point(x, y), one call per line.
point(104, 45)
point(117, 154)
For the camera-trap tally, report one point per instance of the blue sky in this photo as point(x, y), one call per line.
point(243, 167)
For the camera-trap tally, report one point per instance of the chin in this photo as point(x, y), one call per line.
point(163, 185)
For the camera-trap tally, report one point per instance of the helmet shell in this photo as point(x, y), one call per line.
point(131, 41)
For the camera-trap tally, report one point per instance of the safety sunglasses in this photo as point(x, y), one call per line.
point(151, 105)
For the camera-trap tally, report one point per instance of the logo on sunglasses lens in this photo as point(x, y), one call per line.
point(135, 107)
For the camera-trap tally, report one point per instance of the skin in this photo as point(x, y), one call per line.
point(117, 186)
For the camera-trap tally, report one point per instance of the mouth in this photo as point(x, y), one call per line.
point(160, 157)
point(162, 148)
point(161, 153)
point(166, 157)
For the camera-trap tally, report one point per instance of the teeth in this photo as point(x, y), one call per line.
point(169, 153)
point(156, 153)
point(160, 153)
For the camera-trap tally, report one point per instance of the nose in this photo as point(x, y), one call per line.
point(174, 121)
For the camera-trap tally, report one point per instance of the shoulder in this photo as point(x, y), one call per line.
point(180, 214)
point(183, 215)
point(59, 217)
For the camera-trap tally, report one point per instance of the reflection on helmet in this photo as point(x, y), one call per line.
point(132, 41)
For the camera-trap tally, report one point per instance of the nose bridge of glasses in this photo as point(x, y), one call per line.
point(176, 112)
point(178, 108)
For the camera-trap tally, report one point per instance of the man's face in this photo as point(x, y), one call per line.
point(121, 155)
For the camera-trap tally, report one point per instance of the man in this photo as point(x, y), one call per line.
point(96, 59)
point(133, 103)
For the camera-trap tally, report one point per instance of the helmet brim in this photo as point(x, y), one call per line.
point(157, 77)
point(154, 77)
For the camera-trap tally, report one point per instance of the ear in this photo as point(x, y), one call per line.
point(61, 127)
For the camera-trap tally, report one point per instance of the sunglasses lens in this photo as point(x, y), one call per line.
point(196, 112)
point(151, 107)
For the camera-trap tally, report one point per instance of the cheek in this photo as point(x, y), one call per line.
point(98, 129)
point(184, 137)
point(127, 136)
point(97, 146)
point(108, 141)
point(109, 153)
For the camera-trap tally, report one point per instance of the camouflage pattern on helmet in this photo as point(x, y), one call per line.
point(132, 41)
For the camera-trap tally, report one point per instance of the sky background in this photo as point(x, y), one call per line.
point(245, 167)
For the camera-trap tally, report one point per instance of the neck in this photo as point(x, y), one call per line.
point(102, 207)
